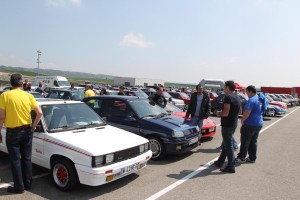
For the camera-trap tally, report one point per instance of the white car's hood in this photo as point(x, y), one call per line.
point(97, 141)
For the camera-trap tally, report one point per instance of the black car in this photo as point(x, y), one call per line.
point(167, 134)
point(67, 94)
point(217, 104)
point(137, 93)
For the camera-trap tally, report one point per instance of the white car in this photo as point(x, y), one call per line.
point(78, 146)
point(177, 102)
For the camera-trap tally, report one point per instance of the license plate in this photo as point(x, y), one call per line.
point(130, 168)
point(193, 140)
point(211, 129)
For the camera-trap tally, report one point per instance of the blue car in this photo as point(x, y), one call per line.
point(277, 110)
point(167, 134)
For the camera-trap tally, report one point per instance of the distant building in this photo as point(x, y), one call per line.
point(131, 81)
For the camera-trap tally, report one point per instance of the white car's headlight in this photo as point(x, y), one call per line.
point(147, 146)
point(144, 147)
point(97, 160)
point(178, 134)
point(109, 158)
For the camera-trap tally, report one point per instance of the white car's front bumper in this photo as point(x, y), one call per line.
point(104, 174)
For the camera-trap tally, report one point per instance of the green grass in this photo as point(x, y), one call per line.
point(179, 85)
point(24, 73)
point(93, 80)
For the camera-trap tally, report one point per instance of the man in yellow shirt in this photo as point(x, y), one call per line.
point(88, 91)
point(15, 113)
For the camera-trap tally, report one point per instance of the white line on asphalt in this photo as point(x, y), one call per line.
point(200, 169)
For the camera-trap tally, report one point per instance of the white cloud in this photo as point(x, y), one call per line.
point(63, 3)
point(135, 40)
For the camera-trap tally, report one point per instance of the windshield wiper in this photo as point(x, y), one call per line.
point(149, 116)
point(92, 124)
point(161, 115)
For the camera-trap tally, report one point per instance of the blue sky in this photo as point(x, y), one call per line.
point(249, 41)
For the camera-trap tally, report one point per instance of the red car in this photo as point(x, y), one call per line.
point(276, 103)
point(209, 127)
point(213, 95)
point(181, 95)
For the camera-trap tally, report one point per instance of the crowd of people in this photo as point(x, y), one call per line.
point(16, 106)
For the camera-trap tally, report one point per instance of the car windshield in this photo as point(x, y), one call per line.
point(141, 94)
point(37, 95)
point(184, 95)
point(146, 108)
point(170, 108)
point(64, 83)
point(281, 95)
point(289, 96)
point(269, 98)
point(166, 95)
point(60, 117)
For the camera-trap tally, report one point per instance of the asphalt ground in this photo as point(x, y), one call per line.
point(275, 175)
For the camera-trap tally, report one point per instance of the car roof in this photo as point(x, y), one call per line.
point(48, 101)
point(121, 97)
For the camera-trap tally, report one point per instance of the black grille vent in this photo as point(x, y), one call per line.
point(127, 154)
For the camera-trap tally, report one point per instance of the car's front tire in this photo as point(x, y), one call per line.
point(64, 174)
point(157, 147)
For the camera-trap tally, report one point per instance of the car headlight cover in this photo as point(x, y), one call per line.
point(142, 148)
point(98, 160)
point(109, 158)
point(147, 146)
point(178, 134)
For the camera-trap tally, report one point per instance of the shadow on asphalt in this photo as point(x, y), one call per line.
point(44, 188)
point(169, 159)
point(211, 170)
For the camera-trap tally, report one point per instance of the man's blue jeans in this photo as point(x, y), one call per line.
point(197, 121)
point(249, 135)
point(19, 145)
point(227, 148)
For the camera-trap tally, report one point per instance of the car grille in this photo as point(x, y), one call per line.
point(193, 133)
point(126, 154)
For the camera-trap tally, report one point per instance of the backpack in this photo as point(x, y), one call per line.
point(264, 102)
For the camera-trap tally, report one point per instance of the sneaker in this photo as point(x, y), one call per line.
point(240, 160)
point(248, 160)
point(218, 164)
point(228, 170)
point(11, 189)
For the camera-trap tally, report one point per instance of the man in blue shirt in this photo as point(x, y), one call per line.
point(252, 122)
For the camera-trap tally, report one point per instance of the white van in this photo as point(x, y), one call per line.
point(51, 81)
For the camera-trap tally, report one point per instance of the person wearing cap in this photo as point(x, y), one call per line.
point(15, 113)
point(88, 91)
point(121, 91)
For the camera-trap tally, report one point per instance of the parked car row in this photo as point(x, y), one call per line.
point(274, 108)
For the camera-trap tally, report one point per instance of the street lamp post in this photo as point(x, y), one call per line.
point(38, 61)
